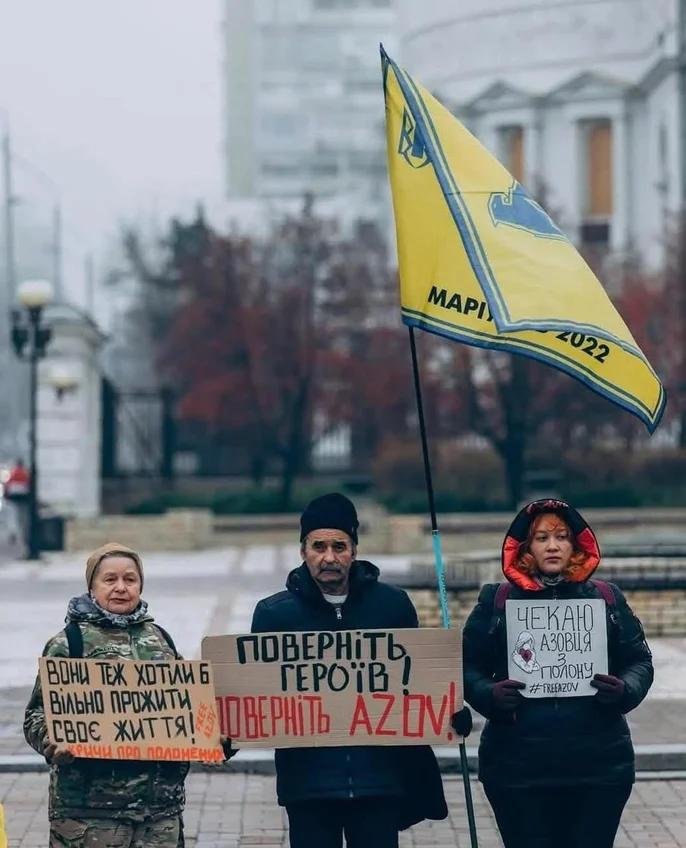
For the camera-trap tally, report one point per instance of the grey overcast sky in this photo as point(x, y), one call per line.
point(117, 101)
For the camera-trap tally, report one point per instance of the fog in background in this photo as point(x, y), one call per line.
point(113, 107)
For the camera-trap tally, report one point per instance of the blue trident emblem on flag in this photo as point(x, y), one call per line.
point(411, 145)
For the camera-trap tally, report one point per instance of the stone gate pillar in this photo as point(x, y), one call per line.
point(69, 427)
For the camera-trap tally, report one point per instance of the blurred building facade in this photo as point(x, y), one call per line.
point(303, 98)
point(579, 98)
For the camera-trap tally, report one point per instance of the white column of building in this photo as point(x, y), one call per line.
point(533, 151)
point(620, 238)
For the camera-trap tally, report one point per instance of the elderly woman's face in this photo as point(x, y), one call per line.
point(117, 585)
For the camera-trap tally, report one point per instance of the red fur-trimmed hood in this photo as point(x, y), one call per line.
point(519, 532)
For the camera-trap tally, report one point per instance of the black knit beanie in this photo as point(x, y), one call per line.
point(330, 512)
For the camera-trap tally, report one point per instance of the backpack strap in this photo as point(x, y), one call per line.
point(168, 639)
point(74, 639)
point(501, 595)
point(609, 597)
point(606, 591)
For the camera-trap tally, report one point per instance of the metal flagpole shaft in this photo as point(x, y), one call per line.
point(440, 570)
point(33, 541)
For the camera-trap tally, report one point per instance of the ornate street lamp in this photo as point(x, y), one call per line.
point(30, 339)
point(63, 379)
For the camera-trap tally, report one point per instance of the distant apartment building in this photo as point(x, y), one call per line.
point(303, 97)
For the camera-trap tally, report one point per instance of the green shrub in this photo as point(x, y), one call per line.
point(250, 501)
point(267, 501)
point(398, 467)
point(603, 497)
point(247, 502)
point(159, 504)
point(415, 502)
point(473, 476)
point(464, 480)
point(598, 469)
point(662, 469)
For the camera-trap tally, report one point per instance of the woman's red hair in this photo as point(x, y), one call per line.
point(525, 560)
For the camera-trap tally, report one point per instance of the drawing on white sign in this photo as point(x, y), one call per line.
point(556, 647)
point(524, 653)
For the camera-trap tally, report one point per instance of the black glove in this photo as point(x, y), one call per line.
point(506, 694)
point(229, 750)
point(57, 755)
point(610, 688)
point(461, 722)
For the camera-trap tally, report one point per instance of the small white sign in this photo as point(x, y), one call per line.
point(556, 647)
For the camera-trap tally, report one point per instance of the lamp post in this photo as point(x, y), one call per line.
point(30, 339)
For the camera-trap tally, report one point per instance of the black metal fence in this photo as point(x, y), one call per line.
point(143, 436)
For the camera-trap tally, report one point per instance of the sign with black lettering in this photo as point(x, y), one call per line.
point(362, 687)
point(131, 709)
point(556, 647)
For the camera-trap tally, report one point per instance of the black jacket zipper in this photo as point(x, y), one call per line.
point(351, 788)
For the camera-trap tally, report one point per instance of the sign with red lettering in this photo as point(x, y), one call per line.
point(131, 709)
point(345, 687)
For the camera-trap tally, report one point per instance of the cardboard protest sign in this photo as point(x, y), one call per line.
point(556, 647)
point(131, 709)
point(362, 687)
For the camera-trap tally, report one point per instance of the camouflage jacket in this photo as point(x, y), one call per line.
point(109, 789)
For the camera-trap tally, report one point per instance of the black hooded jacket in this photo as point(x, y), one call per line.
point(553, 741)
point(410, 774)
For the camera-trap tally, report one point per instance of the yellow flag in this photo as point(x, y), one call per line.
point(482, 263)
point(3, 834)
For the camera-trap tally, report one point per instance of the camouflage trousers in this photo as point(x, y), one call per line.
point(116, 833)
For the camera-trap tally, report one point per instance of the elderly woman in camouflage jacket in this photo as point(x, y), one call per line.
point(118, 804)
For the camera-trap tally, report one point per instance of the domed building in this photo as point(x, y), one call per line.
point(578, 98)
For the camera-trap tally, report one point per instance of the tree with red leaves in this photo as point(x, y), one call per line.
point(276, 342)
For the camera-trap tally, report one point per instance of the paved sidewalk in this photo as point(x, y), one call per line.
point(237, 811)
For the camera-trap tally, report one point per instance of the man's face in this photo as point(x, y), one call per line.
point(328, 555)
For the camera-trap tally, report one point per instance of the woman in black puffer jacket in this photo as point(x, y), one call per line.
point(557, 771)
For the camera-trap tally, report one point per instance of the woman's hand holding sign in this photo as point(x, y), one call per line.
point(58, 755)
point(610, 688)
point(506, 694)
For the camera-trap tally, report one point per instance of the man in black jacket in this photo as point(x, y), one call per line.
point(368, 793)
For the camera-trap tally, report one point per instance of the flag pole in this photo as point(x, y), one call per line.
point(440, 571)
